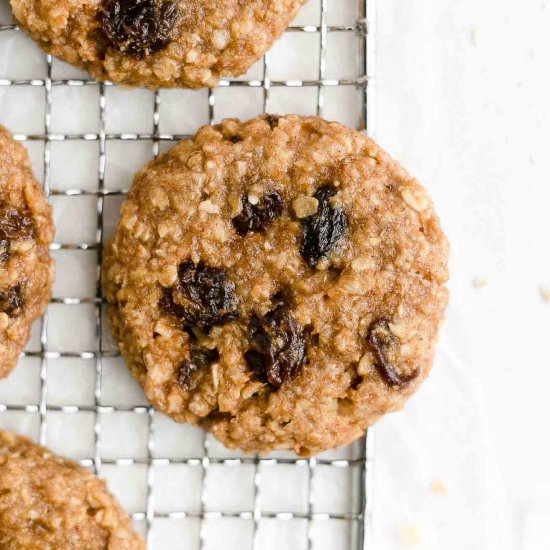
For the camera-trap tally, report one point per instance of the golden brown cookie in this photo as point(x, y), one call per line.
point(279, 282)
point(26, 269)
point(157, 43)
point(50, 503)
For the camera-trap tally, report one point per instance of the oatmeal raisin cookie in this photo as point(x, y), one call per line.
point(279, 282)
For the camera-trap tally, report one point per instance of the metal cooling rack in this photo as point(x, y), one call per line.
point(356, 523)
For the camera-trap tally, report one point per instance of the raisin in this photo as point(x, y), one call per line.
point(278, 345)
point(381, 341)
point(203, 296)
point(272, 120)
point(4, 250)
point(15, 224)
point(139, 27)
point(257, 217)
point(11, 301)
point(323, 230)
point(198, 358)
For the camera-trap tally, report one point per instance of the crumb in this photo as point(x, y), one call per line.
point(532, 161)
point(474, 37)
point(409, 535)
point(479, 282)
point(439, 488)
point(519, 84)
point(545, 293)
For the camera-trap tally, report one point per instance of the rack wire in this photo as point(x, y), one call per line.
point(352, 521)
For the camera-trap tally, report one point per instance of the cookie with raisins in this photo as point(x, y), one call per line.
point(280, 282)
point(157, 43)
point(26, 269)
point(49, 502)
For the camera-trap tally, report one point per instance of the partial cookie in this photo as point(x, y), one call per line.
point(26, 269)
point(157, 43)
point(279, 282)
point(48, 502)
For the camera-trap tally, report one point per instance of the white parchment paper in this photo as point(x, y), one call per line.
point(462, 94)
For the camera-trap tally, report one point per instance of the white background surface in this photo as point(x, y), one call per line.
point(463, 91)
point(463, 102)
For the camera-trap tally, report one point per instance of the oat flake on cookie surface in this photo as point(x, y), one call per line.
point(26, 269)
point(157, 43)
point(279, 282)
point(51, 503)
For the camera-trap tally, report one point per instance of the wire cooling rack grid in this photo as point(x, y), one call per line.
point(71, 390)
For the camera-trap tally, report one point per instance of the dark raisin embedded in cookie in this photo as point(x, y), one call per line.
point(11, 301)
point(14, 224)
point(383, 343)
point(198, 358)
point(257, 217)
point(203, 296)
point(324, 229)
point(277, 345)
point(139, 27)
point(4, 250)
point(272, 120)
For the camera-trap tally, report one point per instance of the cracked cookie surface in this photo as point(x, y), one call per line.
point(157, 43)
point(280, 282)
point(49, 502)
point(26, 269)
